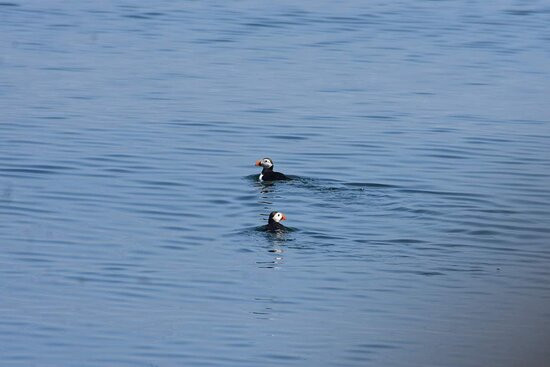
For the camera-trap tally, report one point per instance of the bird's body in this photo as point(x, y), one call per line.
point(267, 171)
point(270, 175)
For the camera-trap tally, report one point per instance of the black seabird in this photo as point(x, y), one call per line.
point(267, 172)
point(273, 222)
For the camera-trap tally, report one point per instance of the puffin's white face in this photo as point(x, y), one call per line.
point(277, 217)
point(265, 163)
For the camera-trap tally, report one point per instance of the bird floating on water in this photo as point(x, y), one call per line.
point(267, 172)
point(273, 222)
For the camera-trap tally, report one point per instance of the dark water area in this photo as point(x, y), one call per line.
point(418, 137)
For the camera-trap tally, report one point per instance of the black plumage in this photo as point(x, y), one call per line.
point(269, 175)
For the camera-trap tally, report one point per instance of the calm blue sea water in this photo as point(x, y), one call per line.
point(418, 133)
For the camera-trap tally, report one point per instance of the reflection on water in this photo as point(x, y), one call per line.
point(416, 135)
point(278, 259)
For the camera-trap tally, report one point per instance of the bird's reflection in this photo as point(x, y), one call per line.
point(276, 241)
point(277, 237)
point(265, 187)
point(266, 192)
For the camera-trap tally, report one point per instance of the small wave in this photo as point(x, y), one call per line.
point(373, 185)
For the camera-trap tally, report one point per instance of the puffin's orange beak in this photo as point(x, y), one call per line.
point(284, 217)
point(258, 163)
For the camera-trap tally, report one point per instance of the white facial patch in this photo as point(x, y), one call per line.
point(266, 163)
point(277, 217)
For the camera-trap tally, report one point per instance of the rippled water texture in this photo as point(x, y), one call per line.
point(417, 133)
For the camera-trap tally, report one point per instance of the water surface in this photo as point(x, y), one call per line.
point(418, 135)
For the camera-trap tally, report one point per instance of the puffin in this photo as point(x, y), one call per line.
point(267, 172)
point(273, 222)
